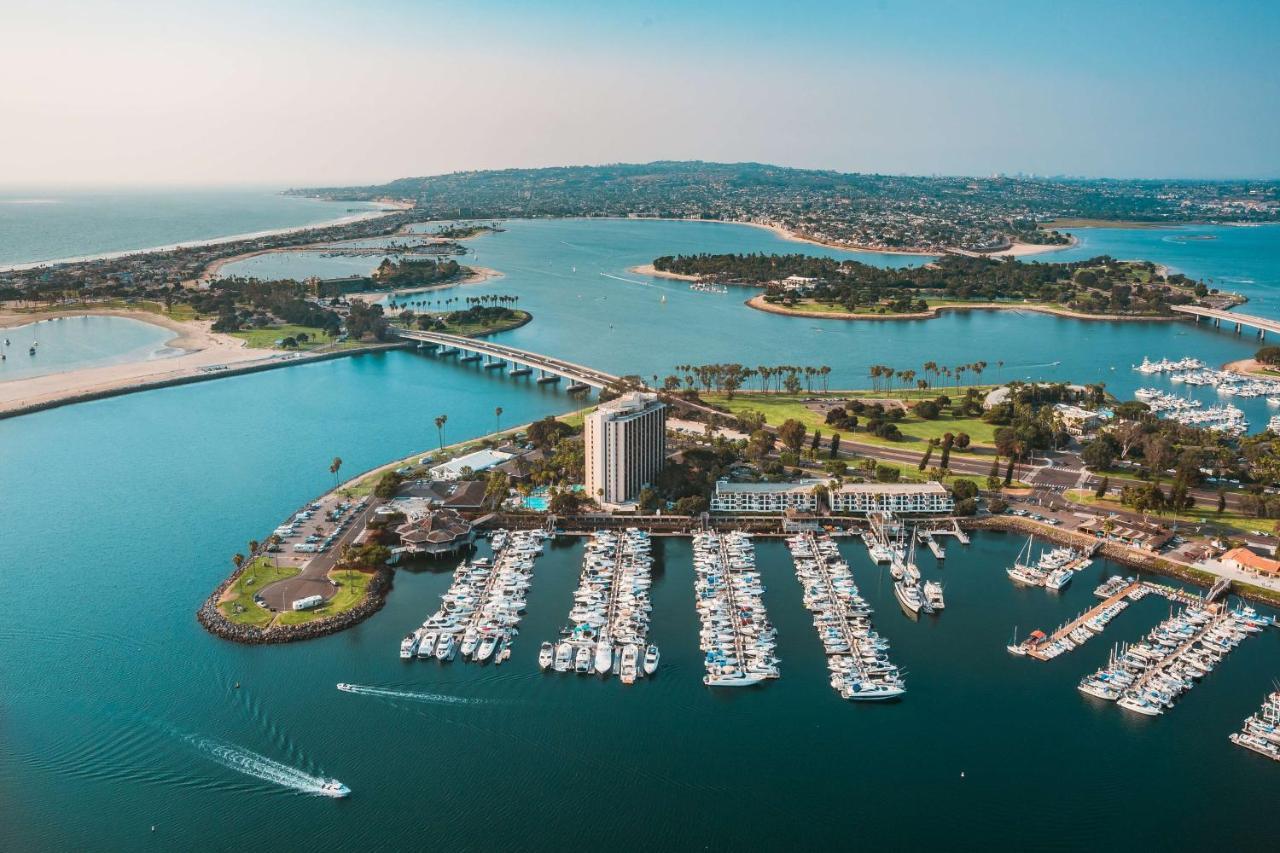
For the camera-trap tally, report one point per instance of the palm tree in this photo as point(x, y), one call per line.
point(333, 468)
point(497, 418)
point(441, 420)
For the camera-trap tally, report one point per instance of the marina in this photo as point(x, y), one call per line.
point(1053, 569)
point(737, 639)
point(1147, 677)
point(856, 655)
point(609, 621)
point(480, 612)
point(1261, 730)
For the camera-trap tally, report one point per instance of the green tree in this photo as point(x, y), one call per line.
point(1103, 485)
point(497, 419)
point(440, 421)
point(334, 467)
point(792, 434)
point(835, 445)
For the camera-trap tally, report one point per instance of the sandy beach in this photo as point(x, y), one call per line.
point(1251, 366)
point(647, 269)
point(201, 347)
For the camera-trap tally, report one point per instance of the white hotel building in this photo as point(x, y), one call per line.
point(904, 498)
point(853, 498)
point(626, 445)
point(765, 497)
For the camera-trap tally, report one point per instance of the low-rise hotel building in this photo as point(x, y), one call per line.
point(625, 442)
point(903, 498)
point(765, 497)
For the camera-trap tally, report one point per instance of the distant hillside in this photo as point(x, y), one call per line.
point(878, 211)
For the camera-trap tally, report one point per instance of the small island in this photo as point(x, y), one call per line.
point(804, 285)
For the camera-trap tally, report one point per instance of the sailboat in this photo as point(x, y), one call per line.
point(663, 299)
point(1014, 647)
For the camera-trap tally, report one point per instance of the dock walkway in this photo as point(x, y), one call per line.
point(1084, 617)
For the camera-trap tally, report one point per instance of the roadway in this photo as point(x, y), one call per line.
point(559, 367)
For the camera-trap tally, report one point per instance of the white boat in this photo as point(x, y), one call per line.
point(486, 648)
point(546, 656)
point(469, 642)
point(408, 646)
point(582, 661)
point(445, 647)
point(933, 595)
point(650, 660)
point(427, 645)
point(1140, 706)
point(629, 656)
point(908, 595)
point(334, 788)
point(604, 655)
point(1059, 578)
point(735, 679)
point(564, 657)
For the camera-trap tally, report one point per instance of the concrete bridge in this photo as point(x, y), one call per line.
point(1241, 321)
point(520, 362)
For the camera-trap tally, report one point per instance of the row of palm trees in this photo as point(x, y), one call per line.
point(447, 302)
point(884, 376)
point(732, 376)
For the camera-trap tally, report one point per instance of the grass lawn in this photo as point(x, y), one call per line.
point(916, 431)
point(352, 586)
point(241, 608)
point(1229, 523)
point(469, 329)
point(266, 337)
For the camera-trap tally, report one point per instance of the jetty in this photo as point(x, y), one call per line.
point(1052, 645)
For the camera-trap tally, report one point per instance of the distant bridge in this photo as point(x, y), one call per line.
point(523, 362)
point(1261, 324)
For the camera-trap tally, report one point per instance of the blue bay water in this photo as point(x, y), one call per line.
point(118, 517)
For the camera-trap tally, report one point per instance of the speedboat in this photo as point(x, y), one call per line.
point(334, 788)
point(445, 647)
point(933, 595)
point(650, 660)
point(546, 656)
point(629, 655)
point(486, 648)
point(1059, 578)
point(408, 646)
point(582, 662)
point(427, 645)
point(344, 687)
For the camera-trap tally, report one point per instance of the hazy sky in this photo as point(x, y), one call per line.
point(319, 92)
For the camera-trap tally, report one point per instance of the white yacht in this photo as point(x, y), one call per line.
point(546, 656)
point(650, 660)
point(445, 647)
point(1059, 578)
point(408, 646)
point(427, 645)
point(629, 656)
point(908, 595)
point(933, 595)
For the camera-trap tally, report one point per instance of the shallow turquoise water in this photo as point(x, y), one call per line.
point(68, 343)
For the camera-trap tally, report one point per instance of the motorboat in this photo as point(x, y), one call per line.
point(546, 656)
point(408, 646)
point(933, 595)
point(564, 657)
point(445, 648)
point(650, 660)
point(334, 788)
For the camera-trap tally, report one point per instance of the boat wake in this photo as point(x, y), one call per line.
point(628, 280)
point(410, 695)
point(259, 766)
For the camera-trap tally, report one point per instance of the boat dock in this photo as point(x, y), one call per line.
point(479, 613)
point(1053, 644)
point(931, 542)
point(736, 635)
point(610, 615)
point(856, 655)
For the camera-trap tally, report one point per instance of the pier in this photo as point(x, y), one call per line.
point(1038, 651)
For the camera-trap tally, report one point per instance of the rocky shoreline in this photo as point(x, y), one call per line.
point(216, 623)
point(1138, 560)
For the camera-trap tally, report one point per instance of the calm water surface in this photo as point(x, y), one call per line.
point(69, 343)
point(118, 712)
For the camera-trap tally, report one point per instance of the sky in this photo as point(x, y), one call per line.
point(294, 93)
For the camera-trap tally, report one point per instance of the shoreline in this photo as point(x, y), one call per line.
point(757, 302)
point(388, 208)
point(213, 620)
point(1252, 367)
point(479, 275)
point(1016, 250)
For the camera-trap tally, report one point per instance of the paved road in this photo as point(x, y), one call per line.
point(314, 578)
